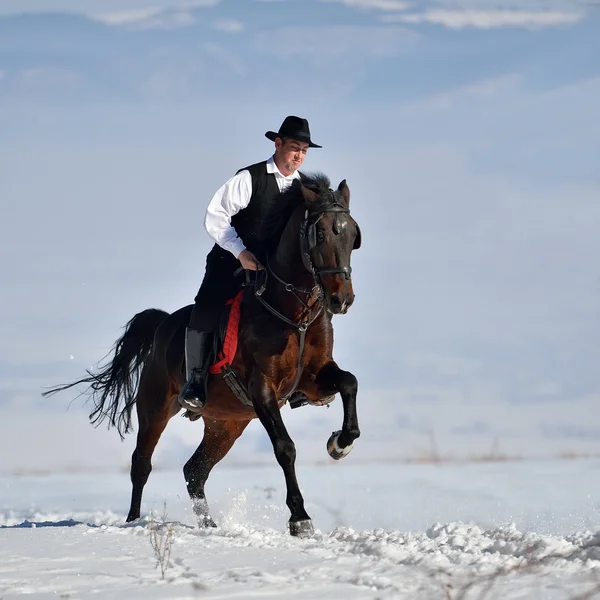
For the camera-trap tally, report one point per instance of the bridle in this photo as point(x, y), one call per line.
point(308, 241)
point(308, 238)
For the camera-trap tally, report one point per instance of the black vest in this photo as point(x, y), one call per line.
point(249, 222)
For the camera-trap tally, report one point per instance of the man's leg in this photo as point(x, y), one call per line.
point(197, 347)
point(218, 285)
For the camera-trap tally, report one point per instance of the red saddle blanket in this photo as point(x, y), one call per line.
point(227, 352)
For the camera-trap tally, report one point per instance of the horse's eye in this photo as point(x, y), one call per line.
point(320, 237)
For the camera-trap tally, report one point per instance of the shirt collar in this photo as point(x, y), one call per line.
point(272, 168)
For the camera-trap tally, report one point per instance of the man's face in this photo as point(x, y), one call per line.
point(289, 155)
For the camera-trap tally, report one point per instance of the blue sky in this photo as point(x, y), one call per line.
point(469, 136)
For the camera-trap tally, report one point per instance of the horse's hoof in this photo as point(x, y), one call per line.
point(203, 514)
point(302, 529)
point(205, 522)
point(334, 449)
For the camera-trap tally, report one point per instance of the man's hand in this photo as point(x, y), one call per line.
point(249, 261)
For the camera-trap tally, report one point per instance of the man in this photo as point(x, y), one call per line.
point(234, 220)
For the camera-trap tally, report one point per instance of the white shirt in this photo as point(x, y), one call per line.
point(229, 199)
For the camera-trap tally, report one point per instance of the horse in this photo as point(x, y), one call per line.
point(284, 351)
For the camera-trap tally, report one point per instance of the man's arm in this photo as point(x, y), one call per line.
point(228, 200)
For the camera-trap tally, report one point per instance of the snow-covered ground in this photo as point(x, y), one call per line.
point(527, 529)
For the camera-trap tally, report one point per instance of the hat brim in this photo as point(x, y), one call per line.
point(272, 135)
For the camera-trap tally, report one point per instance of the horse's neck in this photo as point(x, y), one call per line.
point(287, 260)
point(287, 263)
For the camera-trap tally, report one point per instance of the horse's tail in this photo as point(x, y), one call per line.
point(116, 383)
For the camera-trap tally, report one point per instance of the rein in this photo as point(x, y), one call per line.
point(301, 326)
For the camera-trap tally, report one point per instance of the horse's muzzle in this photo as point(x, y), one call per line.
point(338, 304)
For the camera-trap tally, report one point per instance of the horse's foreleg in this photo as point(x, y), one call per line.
point(332, 379)
point(267, 409)
point(219, 437)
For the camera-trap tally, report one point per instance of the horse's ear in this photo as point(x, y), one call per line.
point(308, 195)
point(345, 191)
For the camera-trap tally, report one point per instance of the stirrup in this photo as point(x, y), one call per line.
point(191, 406)
point(194, 404)
point(299, 399)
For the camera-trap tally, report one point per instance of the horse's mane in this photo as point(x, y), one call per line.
point(287, 202)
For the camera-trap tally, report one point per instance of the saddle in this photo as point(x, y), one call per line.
point(225, 342)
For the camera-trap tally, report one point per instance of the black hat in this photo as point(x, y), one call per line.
point(295, 128)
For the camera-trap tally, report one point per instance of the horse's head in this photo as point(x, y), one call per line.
point(328, 236)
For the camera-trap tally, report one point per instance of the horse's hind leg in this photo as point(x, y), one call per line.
point(219, 437)
point(154, 409)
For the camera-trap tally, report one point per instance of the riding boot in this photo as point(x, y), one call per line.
point(197, 347)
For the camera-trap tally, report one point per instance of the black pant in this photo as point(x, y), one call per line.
point(218, 286)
